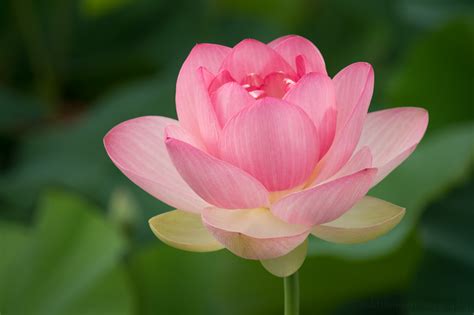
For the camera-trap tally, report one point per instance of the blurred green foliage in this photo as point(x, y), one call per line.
point(67, 264)
point(74, 237)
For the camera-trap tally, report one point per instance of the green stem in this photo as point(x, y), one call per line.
point(292, 294)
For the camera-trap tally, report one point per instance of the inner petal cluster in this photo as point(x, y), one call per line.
point(275, 84)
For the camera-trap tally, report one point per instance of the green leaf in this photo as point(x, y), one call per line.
point(446, 274)
point(437, 75)
point(76, 149)
point(437, 164)
point(18, 111)
point(13, 240)
point(62, 265)
point(433, 12)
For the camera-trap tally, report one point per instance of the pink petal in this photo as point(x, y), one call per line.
point(138, 149)
point(361, 160)
point(274, 141)
point(253, 233)
point(276, 84)
point(176, 132)
point(292, 46)
point(207, 76)
point(253, 57)
point(193, 105)
point(216, 181)
point(327, 130)
point(315, 93)
point(325, 202)
point(300, 66)
point(354, 86)
point(229, 99)
point(388, 167)
point(219, 80)
point(392, 135)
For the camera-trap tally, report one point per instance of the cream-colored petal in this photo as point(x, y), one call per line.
point(256, 222)
point(183, 230)
point(367, 220)
point(253, 233)
point(288, 264)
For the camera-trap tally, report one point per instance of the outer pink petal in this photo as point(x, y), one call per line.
point(253, 233)
point(253, 57)
point(362, 159)
point(138, 149)
point(392, 135)
point(292, 46)
point(193, 105)
point(325, 202)
point(354, 87)
point(274, 141)
point(315, 93)
point(229, 99)
point(177, 132)
point(220, 79)
point(388, 167)
point(216, 181)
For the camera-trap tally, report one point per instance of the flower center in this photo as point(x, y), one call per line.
point(275, 84)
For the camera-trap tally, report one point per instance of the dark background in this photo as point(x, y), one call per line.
point(74, 238)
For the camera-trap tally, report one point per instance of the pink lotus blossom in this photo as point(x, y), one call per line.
point(267, 150)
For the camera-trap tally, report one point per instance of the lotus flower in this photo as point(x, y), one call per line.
point(267, 150)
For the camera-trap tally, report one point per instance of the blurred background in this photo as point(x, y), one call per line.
point(74, 237)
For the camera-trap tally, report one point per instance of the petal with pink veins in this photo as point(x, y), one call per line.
point(361, 159)
point(327, 130)
point(137, 148)
point(253, 57)
point(193, 105)
point(253, 233)
point(325, 202)
point(219, 80)
point(276, 84)
point(216, 181)
point(229, 99)
point(274, 141)
point(392, 135)
point(207, 76)
point(300, 66)
point(176, 132)
point(354, 86)
point(315, 94)
point(292, 46)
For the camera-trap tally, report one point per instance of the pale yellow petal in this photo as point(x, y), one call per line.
point(183, 230)
point(288, 264)
point(367, 220)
